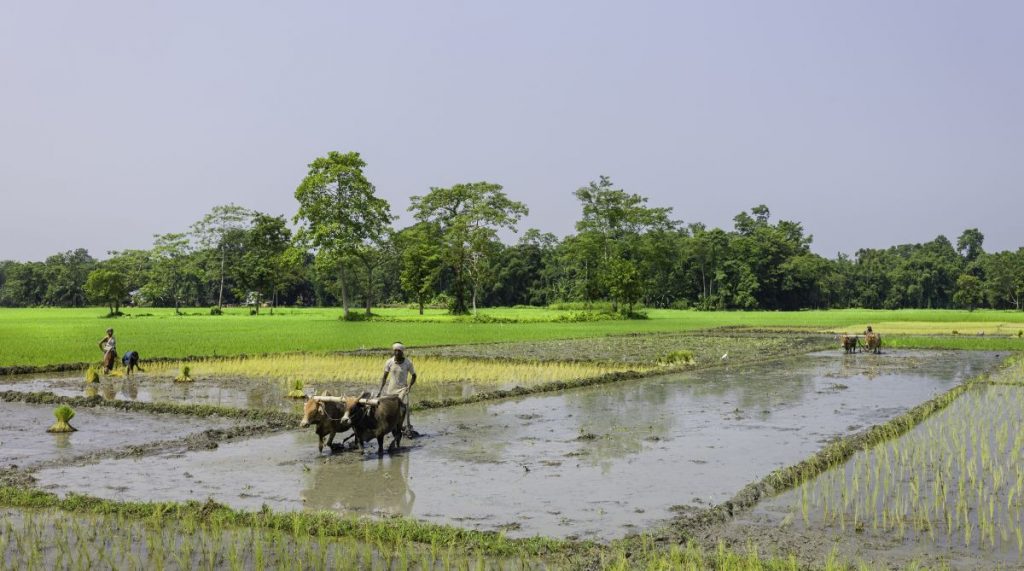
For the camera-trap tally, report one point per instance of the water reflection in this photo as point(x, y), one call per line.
point(379, 485)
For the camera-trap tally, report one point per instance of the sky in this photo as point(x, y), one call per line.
point(873, 123)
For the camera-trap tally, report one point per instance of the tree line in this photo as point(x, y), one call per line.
point(346, 251)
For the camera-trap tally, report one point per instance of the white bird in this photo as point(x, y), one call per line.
point(726, 356)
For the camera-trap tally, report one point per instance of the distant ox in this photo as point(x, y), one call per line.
point(873, 343)
point(327, 417)
point(848, 342)
point(374, 418)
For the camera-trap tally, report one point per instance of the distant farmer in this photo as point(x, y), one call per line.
point(109, 347)
point(868, 331)
point(399, 377)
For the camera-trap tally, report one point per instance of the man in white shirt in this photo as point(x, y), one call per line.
point(399, 377)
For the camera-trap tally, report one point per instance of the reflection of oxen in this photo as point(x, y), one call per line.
point(327, 416)
point(873, 343)
point(377, 486)
point(848, 342)
point(374, 419)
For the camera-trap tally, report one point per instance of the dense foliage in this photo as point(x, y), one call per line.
point(624, 252)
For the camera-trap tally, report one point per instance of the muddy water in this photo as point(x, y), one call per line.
point(262, 394)
point(595, 463)
point(24, 440)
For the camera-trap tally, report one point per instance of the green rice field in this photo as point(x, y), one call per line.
point(45, 336)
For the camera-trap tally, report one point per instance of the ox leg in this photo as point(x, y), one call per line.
point(321, 443)
point(380, 445)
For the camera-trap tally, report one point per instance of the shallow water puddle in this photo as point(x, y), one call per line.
point(595, 463)
point(24, 440)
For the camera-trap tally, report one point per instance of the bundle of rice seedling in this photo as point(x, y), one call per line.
point(183, 376)
point(92, 375)
point(296, 392)
point(63, 413)
point(682, 357)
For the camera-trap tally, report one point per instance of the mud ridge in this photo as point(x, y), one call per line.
point(272, 419)
point(205, 440)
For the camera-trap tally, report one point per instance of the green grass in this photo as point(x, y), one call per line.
point(47, 336)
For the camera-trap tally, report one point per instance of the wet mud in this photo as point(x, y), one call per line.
point(599, 462)
point(24, 441)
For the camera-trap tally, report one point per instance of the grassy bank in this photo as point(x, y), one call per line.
point(38, 337)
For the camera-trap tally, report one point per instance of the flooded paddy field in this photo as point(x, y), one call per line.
point(233, 392)
point(24, 440)
point(948, 493)
point(598, 462)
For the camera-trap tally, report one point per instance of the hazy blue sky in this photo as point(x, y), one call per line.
point(872, 123)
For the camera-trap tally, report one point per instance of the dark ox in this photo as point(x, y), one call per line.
point(370, 420)
point(326, 416)
point(849, 343)
point(873, 343)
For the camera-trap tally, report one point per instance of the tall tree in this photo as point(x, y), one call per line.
point(611, 226)
point(175, 276)
point(469, 217)
point(66, 273)
point(340, 214)
point(969, 292)
point(422, 261)
point(969, 244)
point(108, 287)
point(222, 227)
point(264, 267)
point(1004, 278)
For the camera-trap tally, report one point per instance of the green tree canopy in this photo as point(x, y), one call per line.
point(341, 215)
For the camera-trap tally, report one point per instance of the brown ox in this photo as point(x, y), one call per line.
point(873, 343)
point(327, 416)
point(374, 419)
point(848, 342)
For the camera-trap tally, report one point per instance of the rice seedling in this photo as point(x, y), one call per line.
point(184, 375)
point(53, 539)
point(431, 369)
point(92, 375)
point(64, 414)
point(297, 387)
point(681, 357)
point(957, 478)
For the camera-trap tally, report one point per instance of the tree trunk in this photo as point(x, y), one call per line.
point(421, 307)
point(344, 295)
point(369, 289)
point(474, 299)
point(220, 297)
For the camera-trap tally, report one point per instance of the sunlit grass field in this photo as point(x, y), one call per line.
point(47, 336)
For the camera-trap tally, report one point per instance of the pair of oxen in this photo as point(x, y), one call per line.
point(872, 343)
point(368, 418)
